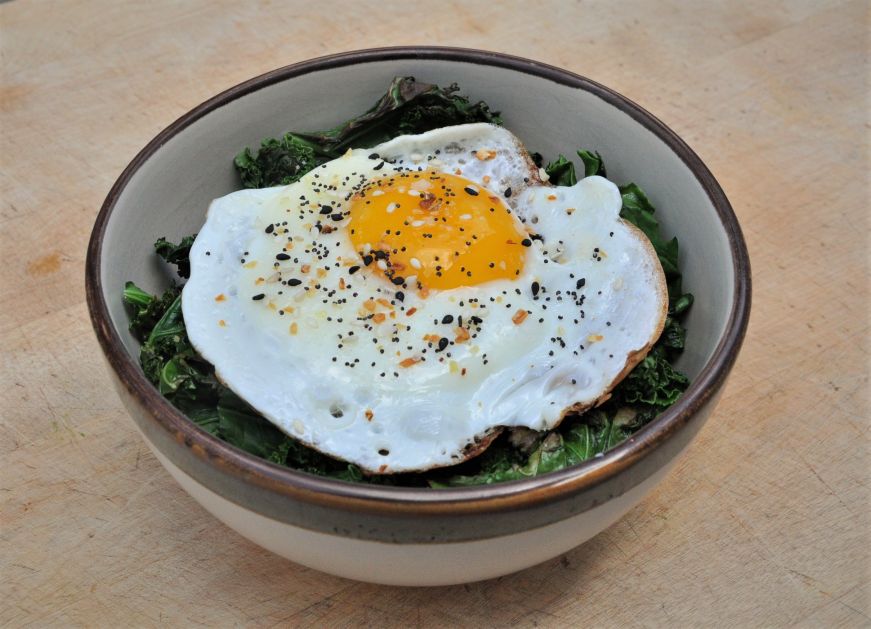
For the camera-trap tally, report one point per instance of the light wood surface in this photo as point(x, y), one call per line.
point(766, 519)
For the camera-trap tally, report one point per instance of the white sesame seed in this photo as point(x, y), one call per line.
point(415, 263)
point(417, 224)
point(377, 193)
point(382, 265)
point(392, 207)
point(465, 217)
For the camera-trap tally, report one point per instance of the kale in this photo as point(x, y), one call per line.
point(593, 164)
point(146, 309)
point(170, 361)
point(176, 254)
point(590, 434)
point(654, 384)
point(408, 107)
point(562, 171)
point(650, 388)
point(188, 381)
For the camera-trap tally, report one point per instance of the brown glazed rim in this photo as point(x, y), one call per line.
point(515, 495)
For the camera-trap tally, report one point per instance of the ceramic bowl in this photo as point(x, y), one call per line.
point(401, 535)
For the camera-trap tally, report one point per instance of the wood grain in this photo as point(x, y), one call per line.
point(765, 521)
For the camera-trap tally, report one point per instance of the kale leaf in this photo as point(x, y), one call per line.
point(176, 254)
point(188, 381)
point(408, 107)
point(561, 172)
point(593, 164)
point(650, 388)
point(591, 434)
point(146, 309)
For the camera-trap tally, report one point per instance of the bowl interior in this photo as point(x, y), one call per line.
point(169, 194)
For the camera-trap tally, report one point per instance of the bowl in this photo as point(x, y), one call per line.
point(413, 536)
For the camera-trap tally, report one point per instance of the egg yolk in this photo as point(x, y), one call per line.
point(439, 228)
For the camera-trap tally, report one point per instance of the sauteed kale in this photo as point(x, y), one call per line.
point(170, 362)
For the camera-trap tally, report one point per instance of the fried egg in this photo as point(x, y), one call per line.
point(398, 306)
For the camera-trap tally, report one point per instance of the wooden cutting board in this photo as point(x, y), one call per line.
point(766, 519)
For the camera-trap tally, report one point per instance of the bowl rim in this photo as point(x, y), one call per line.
point(482, 499)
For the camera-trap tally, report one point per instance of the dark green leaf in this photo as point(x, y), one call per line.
point(638, 210)
point(278, 162)
point(673, 334)
point(135, 296)
point(146, 309)
point(176, 254)
point(170, 325)
point(682, 304)
point(243, 427)
point(593, 164)
point(206, 417)
point(407, 107)
point(653, 382)
point(561, 172)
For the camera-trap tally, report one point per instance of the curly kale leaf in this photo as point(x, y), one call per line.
point(561, 172)
point(147, 309)
point(591, 434)
point(653, 383)
point(176, 254)
point(407, 107)
point(593, 164)
point(638, 210)
point(278, 162)
point(188, 381)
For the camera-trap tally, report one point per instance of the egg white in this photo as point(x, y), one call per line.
point(597, 305)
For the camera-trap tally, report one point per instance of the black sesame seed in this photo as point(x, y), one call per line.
point(269, 228)
point(367, 260)
point(535, 288)
point(294, 282)
point(398, 280)
point(448, 319)
point(470, 190)
point(443, 343)
point(374, 156)
point(258, 297)
point(400, 295)
point(282, 256)
point(353, 269)
point(507, 193)
point(526, 242)
point(326, 209)
point(379, 166)
point(337, 217)
point(581, 283)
